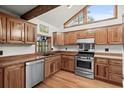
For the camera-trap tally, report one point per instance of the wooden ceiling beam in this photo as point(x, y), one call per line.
point(38, 10)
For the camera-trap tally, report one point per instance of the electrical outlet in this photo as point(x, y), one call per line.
point(66, 48)
point(106, 49)
point(1, 52)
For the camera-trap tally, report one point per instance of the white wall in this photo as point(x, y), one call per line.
point(112, 48)
point(69, 48)
point(13, 49)
point(51, 29)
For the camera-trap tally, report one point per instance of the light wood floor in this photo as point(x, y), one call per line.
point(63, 79)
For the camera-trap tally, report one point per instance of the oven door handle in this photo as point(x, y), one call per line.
point(87, 60)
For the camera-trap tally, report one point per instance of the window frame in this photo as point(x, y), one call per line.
point(84, 11)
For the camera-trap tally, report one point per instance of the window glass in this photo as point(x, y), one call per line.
point(100, 12)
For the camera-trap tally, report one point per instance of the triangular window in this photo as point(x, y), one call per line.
point(93, 13)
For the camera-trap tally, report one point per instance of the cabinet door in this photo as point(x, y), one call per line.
point(101, 68)
point(101, 36)
point(58, 65)
point(65, 63)
point(90, 33)
point(115, 34)
point(70, 38)
point(15, 30)
point(14, 76)
point(47, 69)
point(58, 38)
point(30, 33)
point(2, 28)
point(68, 63)
point(66, 38)
point(115, 71)
point(101, 71)
point(52, 67)
point(81, 34)
point(1, 78)
point(71, 64)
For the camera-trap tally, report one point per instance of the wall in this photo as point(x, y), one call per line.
point(120, 12)
point(51, 29)
point(13, 49)
point(113, 48)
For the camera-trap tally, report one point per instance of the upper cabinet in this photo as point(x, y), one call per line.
point(115, 34)
point(101, 36)
point(15, 30)
point(70, 38)
point(58, 38)
point(2, 28)
point(81, 34)
point(30, 32)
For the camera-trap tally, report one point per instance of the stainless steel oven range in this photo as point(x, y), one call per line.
point(84, 64)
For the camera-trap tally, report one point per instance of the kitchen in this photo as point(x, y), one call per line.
point(62, 46)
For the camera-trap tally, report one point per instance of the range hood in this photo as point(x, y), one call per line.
point(85, 41)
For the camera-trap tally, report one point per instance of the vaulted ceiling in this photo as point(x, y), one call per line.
point(58, 16)
point(17, 9)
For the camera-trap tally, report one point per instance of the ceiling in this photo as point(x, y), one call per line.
point(58, 16)
point(17, 9)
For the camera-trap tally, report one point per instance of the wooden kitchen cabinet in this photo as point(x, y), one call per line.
point(58, 38)
point(115, 71)
point(2, 28)
point(47, 69)
point(70, 38)
point(101, 36)
point(1, 78)
point(15, 30)
point(101, 69)
point(90, 33)
point(14, 76)
point(68, 63)
point(30, 33)
point(81, 34)
point(109, 70)
point(52, 65)
point(115, 34)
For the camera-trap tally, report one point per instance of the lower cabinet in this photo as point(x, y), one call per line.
point(12, 76)
point(109, 70)
point(101, 68)
point(68, 63)
point(1, 78)
point(52, 65)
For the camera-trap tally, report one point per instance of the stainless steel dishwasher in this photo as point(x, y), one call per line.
point(34, 72)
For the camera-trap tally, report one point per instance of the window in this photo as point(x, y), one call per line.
point(100, 12)
point(91, 14)
point(76, 20)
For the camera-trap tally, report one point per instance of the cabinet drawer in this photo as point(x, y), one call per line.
point(68, 57)
point(101, 61)
point(115, 78)
point(115, 62)
point(115, 69)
